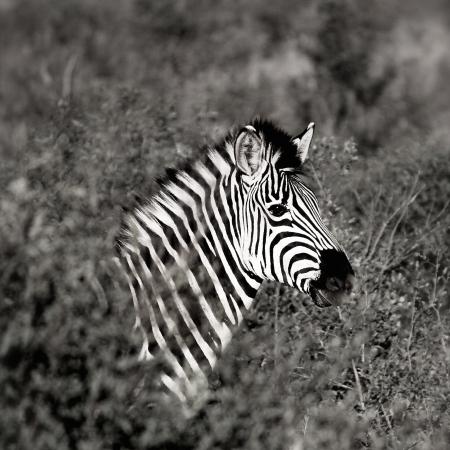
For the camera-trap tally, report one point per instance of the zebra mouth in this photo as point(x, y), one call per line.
point(318, 298)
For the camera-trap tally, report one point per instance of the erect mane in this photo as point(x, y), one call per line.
point(280, 141)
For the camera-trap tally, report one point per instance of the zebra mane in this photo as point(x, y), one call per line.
point(280, 141)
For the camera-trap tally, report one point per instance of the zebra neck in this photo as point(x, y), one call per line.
point(205, 205)
point(186, 272)
point(189, 234)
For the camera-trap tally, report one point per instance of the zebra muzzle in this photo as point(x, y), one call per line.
point(332, 291)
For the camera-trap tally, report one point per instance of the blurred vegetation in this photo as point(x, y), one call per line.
point(97, 97)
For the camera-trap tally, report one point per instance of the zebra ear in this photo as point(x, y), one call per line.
point(302, 142)
point(248, 151)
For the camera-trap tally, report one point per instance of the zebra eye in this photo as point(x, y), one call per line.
point(278, 210)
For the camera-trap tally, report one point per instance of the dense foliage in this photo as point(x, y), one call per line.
point(97, 97)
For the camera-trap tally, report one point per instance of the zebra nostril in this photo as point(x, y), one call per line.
point(336, 271)
point(334, 284)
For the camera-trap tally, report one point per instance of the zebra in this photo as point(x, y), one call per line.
point(196, 252)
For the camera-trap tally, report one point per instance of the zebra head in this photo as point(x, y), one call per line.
point(283, 237)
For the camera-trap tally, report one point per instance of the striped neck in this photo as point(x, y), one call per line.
point(184, 249)
point(206, 203)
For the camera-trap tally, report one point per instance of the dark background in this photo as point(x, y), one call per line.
point(97, 97)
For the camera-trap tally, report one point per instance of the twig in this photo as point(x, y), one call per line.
point(410, 197)
point(397, 262)
point(305, 427)
point(397, 223)
point(99, 291)
point(341, 385)
point(67, 82)
point(370, 234)
point(411, 332)
point(358, 385)
point(386, 417)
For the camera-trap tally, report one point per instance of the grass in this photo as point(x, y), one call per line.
point(96, 99)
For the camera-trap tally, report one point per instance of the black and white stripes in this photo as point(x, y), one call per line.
point(197, 251)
